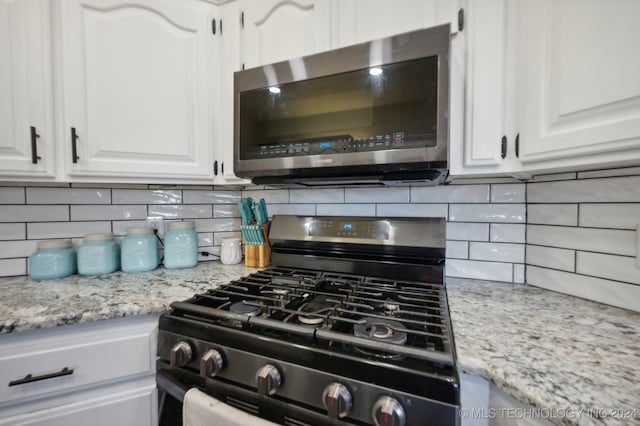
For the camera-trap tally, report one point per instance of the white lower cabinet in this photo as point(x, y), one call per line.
point(101, 373)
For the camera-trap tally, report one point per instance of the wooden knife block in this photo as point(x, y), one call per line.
point(259, 256)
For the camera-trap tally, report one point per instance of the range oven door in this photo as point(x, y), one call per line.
point(375, 111)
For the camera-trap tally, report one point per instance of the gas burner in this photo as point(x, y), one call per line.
point(391, 307)
point(314, 311)
point(383, 330)
point(244, 308)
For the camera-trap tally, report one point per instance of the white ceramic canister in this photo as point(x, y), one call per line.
point(98, 254)
point(230, 251)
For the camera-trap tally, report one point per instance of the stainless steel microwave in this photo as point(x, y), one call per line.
point(371, 113)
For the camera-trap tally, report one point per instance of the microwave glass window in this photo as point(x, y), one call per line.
point(387, 107)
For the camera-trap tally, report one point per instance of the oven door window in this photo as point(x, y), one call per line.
point(388, 107)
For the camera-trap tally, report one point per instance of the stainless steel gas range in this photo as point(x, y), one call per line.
point(350, 326)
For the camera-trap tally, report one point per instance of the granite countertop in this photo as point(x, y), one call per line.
point(549, 350)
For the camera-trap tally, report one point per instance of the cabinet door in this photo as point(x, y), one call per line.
point(277, 30)
point(25, 90)
point(138, 88)
point(357, 21)
point(129, 408)
point(580, 93)
point(489, 87)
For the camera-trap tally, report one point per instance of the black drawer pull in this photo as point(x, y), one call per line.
point(34, 146)
point(74, 148)
point(30, 378)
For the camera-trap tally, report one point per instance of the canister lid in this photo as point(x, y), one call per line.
point(99, 236)
point(187, 224)
point(49, 244)
point(141, 230)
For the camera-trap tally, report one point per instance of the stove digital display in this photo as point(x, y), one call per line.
point(363, 229)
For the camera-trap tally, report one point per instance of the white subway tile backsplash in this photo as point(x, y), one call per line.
point(468, 231)
point(210, 197)
point(28, 213)
point(320, 195)
point(376, 195)
point(346, 209)
point(12, 231)
point(616, 215)
point(68, 196)
point(507, 233)
point(292, 209)
point(619, 268)
point(450, 194)
point(553, 214)
point(510, 193)
point(269, 195)
point(120, 226)
point(217, 225)
point(518, 273)
point(226, 210)
point(205, 239)
point(11, 195)
point(46, 230)
point(495, 213)
point(600, 290)
point(181, 211)
point(480, 270)
point(136, 196)
point(551, 257)
point(13, 249)
point(218, 236)
point(412, 210)
point(587, 239)
point(608, 190)
point(498, 252)
point(13, 267)
point(108, 212)
point(457, 249)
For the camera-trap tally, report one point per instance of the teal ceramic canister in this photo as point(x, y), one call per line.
point(139, 250)
point(98, 254)
point(181, 245)
point(52, 259)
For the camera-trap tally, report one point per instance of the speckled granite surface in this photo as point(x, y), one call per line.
point(549, 350)
point(26, 304)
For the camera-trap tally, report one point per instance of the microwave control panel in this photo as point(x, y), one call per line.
point(342, 144)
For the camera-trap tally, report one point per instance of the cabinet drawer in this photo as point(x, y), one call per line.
point(96, 353)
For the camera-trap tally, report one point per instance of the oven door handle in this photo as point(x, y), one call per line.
point(171, 385)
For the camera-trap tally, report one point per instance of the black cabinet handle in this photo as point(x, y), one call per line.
point(34, 146)
point(30, 378)
point(518, 145)
point(222, 168)
point(503, 147)
point(74, 147)
point(215, 168)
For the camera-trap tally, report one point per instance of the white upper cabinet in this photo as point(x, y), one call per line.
point(357, 21)
point(488, 144)
point(26, 112)
point(138, 89)
point(277, 30)
point(579, 97)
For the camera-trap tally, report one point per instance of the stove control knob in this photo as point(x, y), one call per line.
point(337, 400)
point(180, 354)
point(211, 363)
point(268, 379)
point(387, 411)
